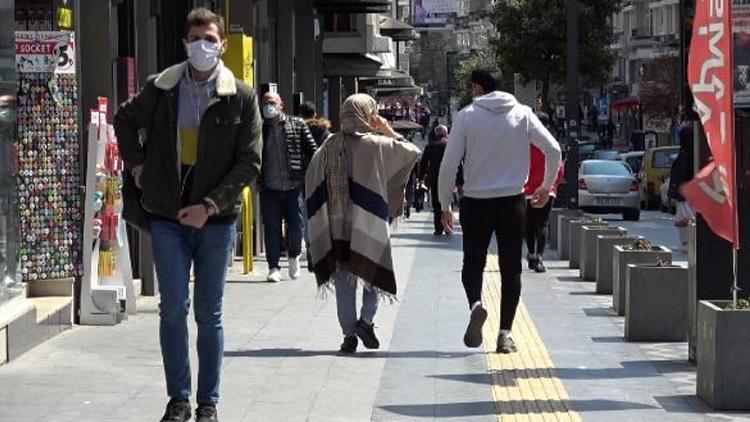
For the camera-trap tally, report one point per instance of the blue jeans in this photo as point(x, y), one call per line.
point(176, 247)
point(277, 206)
point(346, 302)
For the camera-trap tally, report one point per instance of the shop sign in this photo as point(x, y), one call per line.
point(45, 52)
point(741, 37)
point(434, 12)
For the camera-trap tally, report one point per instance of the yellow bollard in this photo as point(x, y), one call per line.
point(247, 230)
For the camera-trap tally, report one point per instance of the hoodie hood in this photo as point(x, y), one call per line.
point(498, 101)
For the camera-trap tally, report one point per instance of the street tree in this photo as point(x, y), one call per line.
point(531, 40)
point(659, 89)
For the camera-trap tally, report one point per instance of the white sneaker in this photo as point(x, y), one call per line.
point(294, 268)
point(274, 276)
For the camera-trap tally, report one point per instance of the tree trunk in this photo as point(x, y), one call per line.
point(545, 97)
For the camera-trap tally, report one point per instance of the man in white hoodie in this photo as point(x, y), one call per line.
point(493, 136)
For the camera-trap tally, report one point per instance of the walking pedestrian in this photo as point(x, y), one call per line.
point(355, 186)
point(288, 147)
point(493, 136)
point(682, 172)
point(430, 170)
point(198, 109)
point(537, 219)
point(320, 127)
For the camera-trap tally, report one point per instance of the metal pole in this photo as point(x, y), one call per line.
point(735, 281)
point(573, 119)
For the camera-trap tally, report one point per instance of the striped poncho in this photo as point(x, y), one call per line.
point(354, 186)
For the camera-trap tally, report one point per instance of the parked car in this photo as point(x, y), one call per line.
point(606, 186)
point(587, 148)
point(657, 162)
point(606, 154)
point(633, 159)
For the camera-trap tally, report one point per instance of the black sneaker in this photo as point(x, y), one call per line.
point(366, 333)
point(540, 268)
point(505, 344)
point(349, 345)
point(178, 410)
point(532, 262)
point(206, 413)
point(473, 336)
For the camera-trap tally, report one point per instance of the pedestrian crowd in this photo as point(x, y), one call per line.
point(338, 192)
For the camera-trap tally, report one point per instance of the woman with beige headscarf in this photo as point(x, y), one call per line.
point(355, 186)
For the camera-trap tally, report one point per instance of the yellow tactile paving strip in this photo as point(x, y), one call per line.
point(524, 384)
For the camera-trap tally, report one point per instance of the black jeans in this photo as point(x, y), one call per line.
point(537, 227)
point(504, 217)
point(437, 211)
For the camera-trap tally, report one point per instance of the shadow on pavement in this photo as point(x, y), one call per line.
point(570, 278)
point(283, 353)
point(467, 409)
point(679, 403)
point(584, 293)
point(634, 369)
point(599, 312)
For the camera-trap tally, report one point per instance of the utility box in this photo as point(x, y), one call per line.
point(240, 57)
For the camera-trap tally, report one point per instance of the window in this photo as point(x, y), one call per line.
point(665, 158)
point(339, 22)
point(604, 168)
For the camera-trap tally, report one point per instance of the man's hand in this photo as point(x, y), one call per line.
point(137, 170)
point(448, 222)
point(540, 198)
point(193, 216)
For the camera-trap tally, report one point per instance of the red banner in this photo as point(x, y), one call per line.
point(713, 192)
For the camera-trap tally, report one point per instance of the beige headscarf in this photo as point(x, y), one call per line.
point(357, 113)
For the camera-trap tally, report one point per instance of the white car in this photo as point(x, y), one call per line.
point(606, 187)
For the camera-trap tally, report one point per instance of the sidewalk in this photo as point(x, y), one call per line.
point(282, 364)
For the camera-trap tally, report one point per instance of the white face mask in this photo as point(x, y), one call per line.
point(270, 111)
point(203, 55)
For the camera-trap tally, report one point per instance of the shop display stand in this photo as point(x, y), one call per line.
point(48, 174)
point(107, 292)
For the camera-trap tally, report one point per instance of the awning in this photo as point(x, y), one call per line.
point(395, 79)
point(353, 65)
point(399, 90)
point(352, 6)
point(625, 104)
point(405, 125)
point(397, 30)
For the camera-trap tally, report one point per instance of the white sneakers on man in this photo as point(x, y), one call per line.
point(274, 276)
point(294, 268)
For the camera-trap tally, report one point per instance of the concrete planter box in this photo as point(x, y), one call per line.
point(575, 240)
point(554, 223)
point(589, 237)
point(723, 351)
point(563, 235)
point(656, 303)
point(605, 247)
point(621, 259)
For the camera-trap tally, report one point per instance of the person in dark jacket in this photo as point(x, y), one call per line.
point(320, 127)
point(288, 147)
point(682, 172)
point(203, 148)
point(430, 170)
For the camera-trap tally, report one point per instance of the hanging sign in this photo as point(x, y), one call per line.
point(713, 192)
point(741, 37)
point(45, 52)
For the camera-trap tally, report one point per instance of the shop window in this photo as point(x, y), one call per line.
point(340, 22)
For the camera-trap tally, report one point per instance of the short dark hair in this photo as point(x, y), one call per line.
point(488, 79)
point(307, 110)
point(200, 16)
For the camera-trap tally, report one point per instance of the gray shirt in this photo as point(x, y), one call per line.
point(276, 161)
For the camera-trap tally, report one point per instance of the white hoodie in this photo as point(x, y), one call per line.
point(493, 137)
